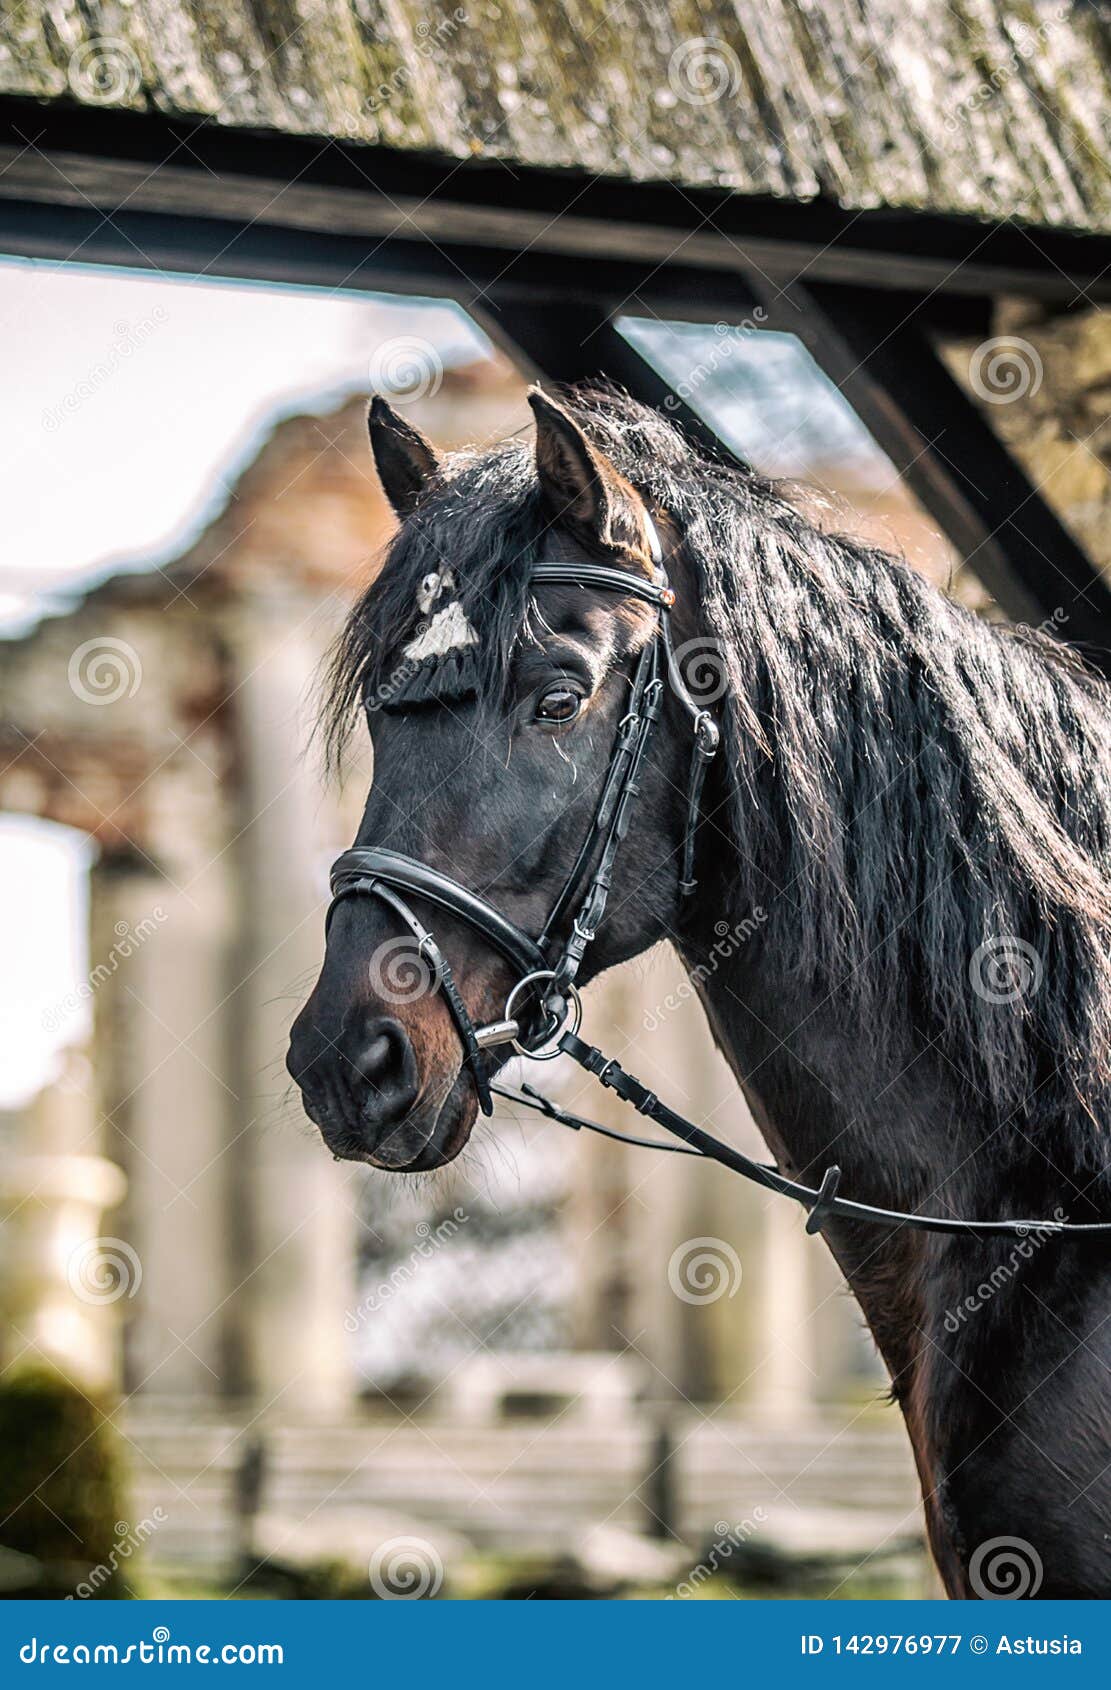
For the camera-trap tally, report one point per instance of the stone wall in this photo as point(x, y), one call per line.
point(1043, 383)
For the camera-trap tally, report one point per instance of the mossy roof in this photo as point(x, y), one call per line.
point(989, 108)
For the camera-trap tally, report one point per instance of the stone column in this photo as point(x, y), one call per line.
point(596, 1216)
point(161, 1066)
point(296, 1209)
point(62, 1280)
point(688, 1292)
point(720, 1266)
point(783, 1371)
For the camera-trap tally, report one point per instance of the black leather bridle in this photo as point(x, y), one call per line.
point(547, 967)
point(543, 1011)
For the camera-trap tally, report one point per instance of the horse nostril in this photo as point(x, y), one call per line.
point(362, 1081)
point(377, 1054)
point(386, 1062)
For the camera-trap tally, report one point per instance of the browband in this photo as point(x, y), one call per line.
point(621, 581)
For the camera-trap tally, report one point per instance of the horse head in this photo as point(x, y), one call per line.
point(494, 702)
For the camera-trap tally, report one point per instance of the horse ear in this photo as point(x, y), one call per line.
point(579, 484)
point(406, 462)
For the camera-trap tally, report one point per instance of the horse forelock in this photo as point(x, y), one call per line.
point(481, 530)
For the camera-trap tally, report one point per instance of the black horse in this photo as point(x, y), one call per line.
point(920, 804)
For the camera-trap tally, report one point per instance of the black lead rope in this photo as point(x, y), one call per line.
point(821, 1202)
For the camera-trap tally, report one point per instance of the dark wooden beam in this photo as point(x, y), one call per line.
point(113, 161)
point(552, 258)
point(876, 348)
point(574, 340)
point(264, 251)
point(879, 353)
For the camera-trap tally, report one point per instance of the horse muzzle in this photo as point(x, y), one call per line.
point(363, 1090)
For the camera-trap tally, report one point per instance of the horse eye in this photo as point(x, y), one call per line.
point(562, 704)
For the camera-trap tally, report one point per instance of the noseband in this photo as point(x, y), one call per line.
point(543, 1011)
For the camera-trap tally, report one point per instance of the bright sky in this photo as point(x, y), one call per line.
point(43, 917)
point(769, 400)
point(131, 400)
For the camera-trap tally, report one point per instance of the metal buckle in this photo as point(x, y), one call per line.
point(570, 1020)
point(707, 734)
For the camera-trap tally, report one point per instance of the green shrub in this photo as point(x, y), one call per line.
point(61, 1490)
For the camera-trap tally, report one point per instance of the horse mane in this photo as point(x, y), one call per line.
point(921, 799)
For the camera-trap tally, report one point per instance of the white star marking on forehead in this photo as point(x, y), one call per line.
point(449, 629)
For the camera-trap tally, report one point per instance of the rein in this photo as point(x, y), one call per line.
point(546, 972)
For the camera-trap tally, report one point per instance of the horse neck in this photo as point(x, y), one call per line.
point(821, 1094)
point(837, 1075)
point(905, 1133)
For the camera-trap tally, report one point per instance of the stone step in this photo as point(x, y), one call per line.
point(514, 1484)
